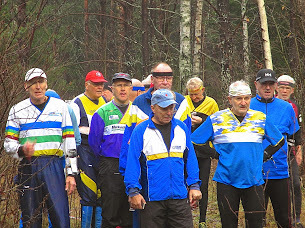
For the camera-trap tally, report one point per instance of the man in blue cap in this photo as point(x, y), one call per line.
point(161, 167)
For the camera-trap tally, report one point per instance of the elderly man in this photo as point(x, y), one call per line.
point(275, 172)
point(84, 107)
point(201, 106)
point(285, 89)
point(161, 166)
point(237, 135)
point(162, 78)
point(105, 138)
point(137, 89)
point(38, 132)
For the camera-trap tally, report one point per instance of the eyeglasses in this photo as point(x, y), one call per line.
point(121, 86)
point(162, 78)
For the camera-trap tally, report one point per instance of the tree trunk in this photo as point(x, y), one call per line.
point(245, 40)
point(145, 45)
point(198, 41)
point(185, 47)
point(103, 37)
point(265, 34)
point(86, 38)
point(225, 46)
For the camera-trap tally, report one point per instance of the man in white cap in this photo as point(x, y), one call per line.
point(161, 166)
point(237, 135)
point(275, 172)
point(285, 89)
point(38, 132)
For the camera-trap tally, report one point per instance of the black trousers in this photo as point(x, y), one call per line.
point(172, 213)
point(228, 198)
point(204, 175)
point(279, 194)
point(114, 199)
point(295, 187)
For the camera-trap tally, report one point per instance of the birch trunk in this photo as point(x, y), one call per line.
point(198, 40)
point(245, 39)
point(185, 46)
point(265, 34)
point(145, 45)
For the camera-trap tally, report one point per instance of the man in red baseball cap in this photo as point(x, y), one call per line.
point(84, 106)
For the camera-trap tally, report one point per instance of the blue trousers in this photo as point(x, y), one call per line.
point(42, 183)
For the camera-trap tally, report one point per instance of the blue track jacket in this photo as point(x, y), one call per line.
point(281, 115)
point(161, 174)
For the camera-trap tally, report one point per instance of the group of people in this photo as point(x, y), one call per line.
point(142, 158)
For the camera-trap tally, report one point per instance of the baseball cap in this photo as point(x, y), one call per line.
point(239, 88)
point(265, 75)
point(163, 98)
point(34, 73)
point(95, 76)
point(286, 80)
point(107, 86)
point(120, 75)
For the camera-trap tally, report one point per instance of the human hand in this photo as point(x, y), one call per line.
point(70, 184)
point(299, 155)
point(28, 149)
point(137, 201)
point(196, 120)
point(194, 197)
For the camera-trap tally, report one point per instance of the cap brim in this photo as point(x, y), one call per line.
point(38, 76)
point(98, 80)
point(123, 78)
point(165, 104)
point(267, 80)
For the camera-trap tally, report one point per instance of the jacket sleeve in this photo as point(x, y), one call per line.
point(203, 133)
point(11, 141)
point(294, 124)
point(137, 116)
point(191, 163)
point(124, 148)
point(272, 134)
point(96, 134)
point(133, 167)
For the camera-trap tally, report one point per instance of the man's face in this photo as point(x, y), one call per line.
point(163, 115)
point(134, 94)
point(94, 90)
point(162, 82)
point(121, 89)
point(265, 89)
point(107, 94)
point(240, 104)
point(284, 92)
point(196, 96)
point(37, 88)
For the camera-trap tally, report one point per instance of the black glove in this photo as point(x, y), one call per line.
point(267, 156)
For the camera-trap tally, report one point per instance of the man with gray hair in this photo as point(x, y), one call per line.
point(285, 89)
point(38, 132)
point(237, 134)
point(161, 167)
point(201, 106)
point(275, 172)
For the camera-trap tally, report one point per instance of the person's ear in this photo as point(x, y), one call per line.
point(26, 87)
point(230, 100)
